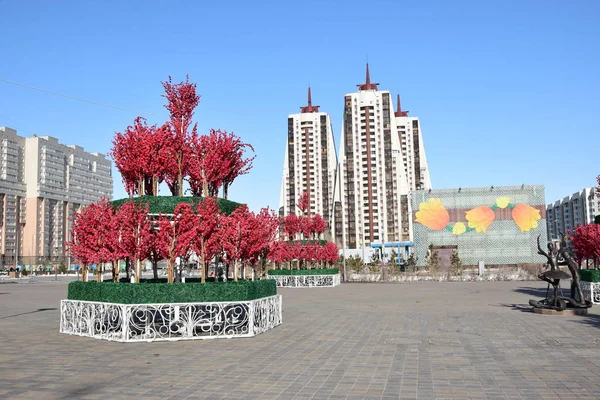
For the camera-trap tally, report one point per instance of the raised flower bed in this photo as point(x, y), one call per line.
point(299, 278)
point(590, 284)
point(181, 311)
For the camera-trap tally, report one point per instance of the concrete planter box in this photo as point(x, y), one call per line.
point(177, 321)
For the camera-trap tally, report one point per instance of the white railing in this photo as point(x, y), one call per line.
point(178, 321)
point(591, 291)
point(301, 281)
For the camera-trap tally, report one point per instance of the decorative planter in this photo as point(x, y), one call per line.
point(591, 291)
point(302, 281)
point(177, 321)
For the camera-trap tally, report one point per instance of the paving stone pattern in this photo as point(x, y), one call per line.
point(356, 341)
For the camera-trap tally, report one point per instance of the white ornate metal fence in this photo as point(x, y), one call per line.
point(178, 321)
point(591, 291)
point(301, 281)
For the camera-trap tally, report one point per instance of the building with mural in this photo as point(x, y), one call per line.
point(496, 225)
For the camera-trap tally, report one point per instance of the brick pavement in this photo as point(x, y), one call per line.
point(356, 341)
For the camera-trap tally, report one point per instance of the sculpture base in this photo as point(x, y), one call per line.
point(568, 311)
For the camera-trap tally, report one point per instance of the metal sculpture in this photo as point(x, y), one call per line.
point(555, 258)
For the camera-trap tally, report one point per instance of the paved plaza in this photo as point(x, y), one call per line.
point(356, 341)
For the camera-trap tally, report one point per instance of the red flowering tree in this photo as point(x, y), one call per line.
point(318, 225)
point(153, 251)
point(181, 102)
point(304, 203)
point(306, 226)
point(235, 234)
point(586, 242)
point(265, 225)
point(176, 236)
point(329, 253)
point(135, 233)
point(234, 149)
point(292, 226)
point(91, 230)
point(207, 229)
point(138, 156)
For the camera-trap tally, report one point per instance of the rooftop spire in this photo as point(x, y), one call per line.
point(399, 112)
point(309, 108)
point(368, 85)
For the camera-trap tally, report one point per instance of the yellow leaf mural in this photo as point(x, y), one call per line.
point(480, 218)
point(433, 215)
point(459, 228)
point(526, 217)
point(502, 202)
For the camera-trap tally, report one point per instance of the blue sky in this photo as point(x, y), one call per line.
point(507, 92)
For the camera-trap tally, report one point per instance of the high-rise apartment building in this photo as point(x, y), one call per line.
point(43, 183)
point(565, 215)
point(371, 172)
point(310, 162)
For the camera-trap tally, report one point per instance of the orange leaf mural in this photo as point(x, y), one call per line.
point(433, 215)
point(526, 217)
point(480, 218)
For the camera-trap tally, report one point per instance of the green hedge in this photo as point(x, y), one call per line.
point(154, 293)
point(167, 204)
point(320, 242)
point(323, 271)
point(589, 275)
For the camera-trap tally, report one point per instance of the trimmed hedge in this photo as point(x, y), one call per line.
point(589, 275)
point(167, 204)
point(155, 293)
point(323, 271)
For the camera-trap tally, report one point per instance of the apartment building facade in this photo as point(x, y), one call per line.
point(310, 162)
point(43, 183)
point(371, 177)
point(568, 213)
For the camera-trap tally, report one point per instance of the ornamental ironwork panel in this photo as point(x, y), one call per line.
point(180, 321)
point(303, 281)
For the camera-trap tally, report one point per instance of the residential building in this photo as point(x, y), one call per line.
point(371, 173)
point(574, 210)
point(310, 162)
point(43, 184)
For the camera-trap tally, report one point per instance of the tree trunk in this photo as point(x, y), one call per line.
point(202, 263)
point(155, 268)
point(155, 185)
point(115, 270)
point(225, 190)
point(235, 270)
point(138, 270)
point(84, 272)
point(169, 271)
point(141, 187)
point(99, 272)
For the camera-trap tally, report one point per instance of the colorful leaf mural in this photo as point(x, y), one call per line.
point(480, 218)
point(433, 215)
point(459, 228)
point(526, 217)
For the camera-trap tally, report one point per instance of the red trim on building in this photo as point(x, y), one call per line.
point(368, 85)
point(309, 108)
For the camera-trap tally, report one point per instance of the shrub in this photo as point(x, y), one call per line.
point(323, 271)
point(155, 293)
point(589, 275)
point(167, 204)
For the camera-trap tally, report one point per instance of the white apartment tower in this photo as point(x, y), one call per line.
point(310, 162)
point(371, 172)
point(43, 183)
point(565, 215)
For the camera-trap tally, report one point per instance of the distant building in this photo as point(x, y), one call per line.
point(496, 225)
point(570, 212)
point(43, 183)
point(382, 158)
point(310, 162)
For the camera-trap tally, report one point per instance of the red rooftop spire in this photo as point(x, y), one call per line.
point(399, 112)
point(309, 108)
point(368, 85)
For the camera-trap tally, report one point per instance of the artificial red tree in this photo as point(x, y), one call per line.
point(207, 229)
point(181, 102)
point(135, 233)
point(586, 242)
